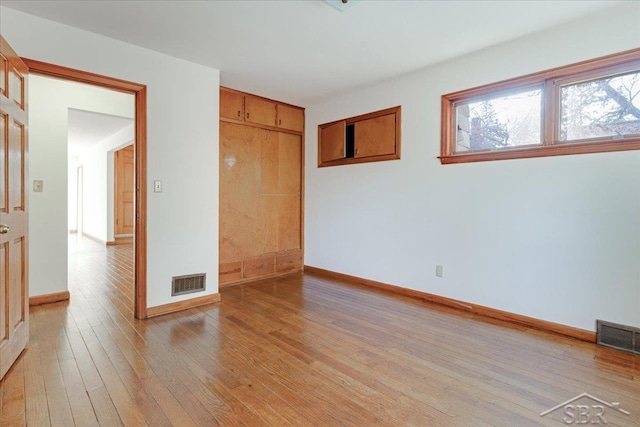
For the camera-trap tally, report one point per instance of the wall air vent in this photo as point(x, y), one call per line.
point(181, 285)
point(622, 337)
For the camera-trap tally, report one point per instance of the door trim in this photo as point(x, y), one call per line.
point(140, 146)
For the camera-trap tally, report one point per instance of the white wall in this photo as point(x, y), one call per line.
point(97, 163)
point(182, 134)
point(72, 193)
point(49, 103)
point(552, 238)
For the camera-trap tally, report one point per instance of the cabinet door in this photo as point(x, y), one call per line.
point(332, 142)
point(239, 190)
point(376, 136)
point(260, 111)
point(288, 190)
point(231, 105)
point(290, 118)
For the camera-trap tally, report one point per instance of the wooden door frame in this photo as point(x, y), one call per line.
point(140, 147)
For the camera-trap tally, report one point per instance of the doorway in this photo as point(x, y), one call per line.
point(140, 196)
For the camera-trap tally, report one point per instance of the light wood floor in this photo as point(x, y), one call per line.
point(298, 351)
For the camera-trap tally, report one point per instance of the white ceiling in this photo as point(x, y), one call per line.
point(87, 128)
point(301, 51)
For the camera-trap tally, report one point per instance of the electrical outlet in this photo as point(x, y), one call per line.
point(157, 186)
point(38, 186)
point(439, 271)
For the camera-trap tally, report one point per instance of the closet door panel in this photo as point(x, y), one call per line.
point(288, 222)
point(239, 189)
point(289, 163)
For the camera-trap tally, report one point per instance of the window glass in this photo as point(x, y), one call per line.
point(600, 108)
point(505, 121)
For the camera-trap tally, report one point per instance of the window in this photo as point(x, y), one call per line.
point(589, 107)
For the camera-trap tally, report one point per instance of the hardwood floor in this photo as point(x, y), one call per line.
point(294, 351)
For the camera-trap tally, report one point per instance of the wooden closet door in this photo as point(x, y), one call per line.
point(260, 172)
point(289, 191)
point(240, 189)
point(14, 283)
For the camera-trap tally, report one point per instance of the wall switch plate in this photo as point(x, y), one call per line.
point(38, 186)
point(439, 271)
point(157, 186)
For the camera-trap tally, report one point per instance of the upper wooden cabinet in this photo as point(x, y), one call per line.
point(290, 118)
point(260, 111)
point(231, 105)
point(367, 138)
point(333, 140)
point(375, 136)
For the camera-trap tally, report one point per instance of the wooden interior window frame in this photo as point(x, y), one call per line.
point(550, 81)
point(397, 110)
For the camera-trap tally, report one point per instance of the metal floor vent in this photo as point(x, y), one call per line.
point(181, 285)
point(622, 337)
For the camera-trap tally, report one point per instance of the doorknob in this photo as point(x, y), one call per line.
point(4, 229)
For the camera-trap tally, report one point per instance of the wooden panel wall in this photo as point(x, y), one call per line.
point(260, 201)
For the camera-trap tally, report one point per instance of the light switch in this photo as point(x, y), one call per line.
point(157, 186)
point(38, 185)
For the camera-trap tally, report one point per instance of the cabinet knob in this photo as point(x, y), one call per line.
point(247, 115)
point(238, 113)
point(279, 122)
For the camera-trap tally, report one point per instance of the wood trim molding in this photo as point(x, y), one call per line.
point(261, 126)
point(120, 241)
point(94, 238)
point(140, 238)
point(543, 325)
point(160, 310)
point(80, 76)
point(49, 298)
point(258, 278)
point(542, 151)
point(140, 93)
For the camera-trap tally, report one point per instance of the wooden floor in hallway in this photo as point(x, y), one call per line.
point(295, 351)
